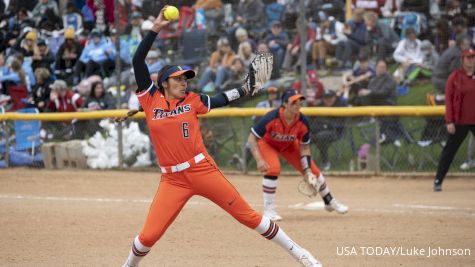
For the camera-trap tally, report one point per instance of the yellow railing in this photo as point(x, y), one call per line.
point(373, 111)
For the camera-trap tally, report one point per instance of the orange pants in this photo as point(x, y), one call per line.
point(291, 154)
point(174, 190)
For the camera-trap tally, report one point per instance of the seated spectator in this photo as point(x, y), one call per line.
point(92, 57)
point(26, 66)
point(133, 29)
point(329, 34)
point(242, 36)
point(219, 66)
point(292, 53)
point(72, 18)
point(250, 14)
point(234, 77)
point(125, 58)
point(63, 99)
point(245, 53)
point(327, 130)
point(381, 38)
point(41, 91)
point(42, 57)
point(67, 55)
point(355, 31)
point(277, 41)
point(154, 62)
point(28, 45)
point(410, 57)
point(43, 5)
point(381, 92)
point(448, 62)
point(358, 79)
point(14, 76)
point(98, 99)
point(314, 88)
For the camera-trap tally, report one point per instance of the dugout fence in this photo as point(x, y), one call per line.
point(361, 140)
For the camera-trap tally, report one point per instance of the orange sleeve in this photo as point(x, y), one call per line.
point(198, 105)
point(213, 62)
point(228, 59)
point(145, 97)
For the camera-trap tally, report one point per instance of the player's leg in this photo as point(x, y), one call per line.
point(448, 152)
point(270, 179)
point(292, 156)
point(171, 196)
point(210, 183)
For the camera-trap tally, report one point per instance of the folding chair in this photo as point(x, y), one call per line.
point(19, 96)
point(27, 141)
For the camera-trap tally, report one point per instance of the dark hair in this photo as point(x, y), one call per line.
point(459, 21)
point(93, 89)
point(409, 31)
point(159, 74)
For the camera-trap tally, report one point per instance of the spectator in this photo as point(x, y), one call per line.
point(62, 99)
point(28, 45)
point(109, 63)
point(410, 57)
point(93, 57)
point(358, 79)
point(41, 91)
point(381, 92)
point(242, 36)
point(219, 66)
point(26, 66)
point(448, 62)
point(329, 34)
point(314, 88)
point(370, 5)
point(42, 57)
point(332, 8)
point(133, 29)
point(99, 99)
point(67, 56)
point(234, 76)
point(213, 11)
point(442, 35)
point(245, 53)
point(418, 6)
point(250, 14)
point(327, 130)
point(16, 76)
point(391, 8)
point(277, 41)
point(459, 27)
point(292, 53)
point(355, 31)
point(381, 37)
point(154, 62)
point(72, 18)
point(44, 5)
point(459, 113)
point(89, 18)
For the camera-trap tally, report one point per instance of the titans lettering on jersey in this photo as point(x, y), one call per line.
point(159, 113)
point(282, 137)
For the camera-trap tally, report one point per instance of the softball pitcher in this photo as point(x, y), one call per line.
point(187, 169)
point(286, 131)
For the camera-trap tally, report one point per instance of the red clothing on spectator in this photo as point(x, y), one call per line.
point(460, 98)
point(69, 103)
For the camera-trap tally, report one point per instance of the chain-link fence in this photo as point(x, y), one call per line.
point(340, 144)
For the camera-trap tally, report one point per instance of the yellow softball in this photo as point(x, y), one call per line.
point(171, 13)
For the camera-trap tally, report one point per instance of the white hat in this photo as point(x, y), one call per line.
point(146, 25)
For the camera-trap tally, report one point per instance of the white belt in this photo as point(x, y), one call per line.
point(184, 165)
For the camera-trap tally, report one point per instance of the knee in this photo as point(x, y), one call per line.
point(273, 172)
point(148, 239)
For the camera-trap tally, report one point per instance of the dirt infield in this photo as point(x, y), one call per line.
point(89, 218)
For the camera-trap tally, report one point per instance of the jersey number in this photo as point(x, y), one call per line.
point(185, 130)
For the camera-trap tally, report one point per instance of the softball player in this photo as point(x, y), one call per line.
point(286, 131)
point(187, 169)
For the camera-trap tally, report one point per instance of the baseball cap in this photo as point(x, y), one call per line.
point(175, 71)
point(276, 23)
point(468, 52)
point(31, 36)
point(69, 33)
point(136, 14)
point(95, 33)
point(291, 95)
point(41, 42)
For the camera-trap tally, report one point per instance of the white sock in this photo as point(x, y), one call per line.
point(269, 187)
point(271, 231)
point(137, 252)
point(324, 189)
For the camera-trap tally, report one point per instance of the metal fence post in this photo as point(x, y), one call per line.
point(243, 147)
point(7, 143)
point(118, 67)
point(377, 169)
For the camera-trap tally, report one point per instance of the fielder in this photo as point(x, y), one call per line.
point(187, 169)
point(285, 131)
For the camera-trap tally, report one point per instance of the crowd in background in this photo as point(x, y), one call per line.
point(62, 54)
